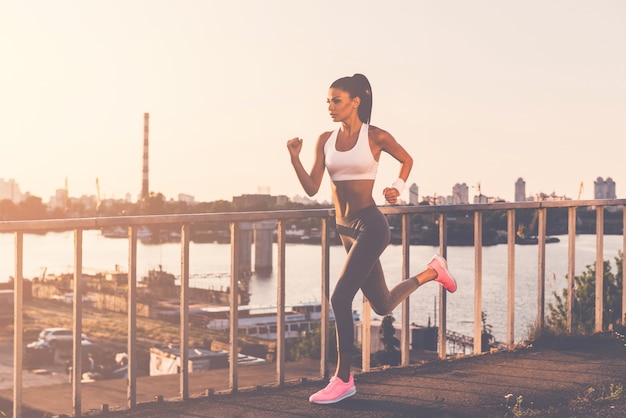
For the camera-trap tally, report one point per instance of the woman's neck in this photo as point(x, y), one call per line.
point(349, 128)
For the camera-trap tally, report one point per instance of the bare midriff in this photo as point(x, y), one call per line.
point(350, 196)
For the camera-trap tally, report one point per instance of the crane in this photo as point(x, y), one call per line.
point(580, 189)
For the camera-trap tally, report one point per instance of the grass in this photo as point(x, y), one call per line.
point(591, 398)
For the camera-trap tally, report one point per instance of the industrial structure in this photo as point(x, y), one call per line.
point(145, 190)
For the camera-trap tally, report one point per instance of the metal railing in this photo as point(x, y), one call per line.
point(235, 219)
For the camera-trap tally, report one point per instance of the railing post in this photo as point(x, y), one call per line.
point(478, 281)
point(184, 312)
point(18, 325)
point(366, 335)
point(571, 266)
point(132, 317)
point(406, 330)
point(325, 317)
point(541, 268)
point(623, 316)
point(280, 306)
point(510, 335)
point(78, 322)
point(443, 250)
point(234, 306)
point(599, 267)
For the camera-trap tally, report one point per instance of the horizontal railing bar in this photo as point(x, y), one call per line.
point(96, 223)
point(100, 222)
point(398, 209)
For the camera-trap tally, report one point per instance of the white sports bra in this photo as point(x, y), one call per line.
point(357, 163)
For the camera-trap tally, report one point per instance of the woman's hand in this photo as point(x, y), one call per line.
point(310, 181)
point(391, 195)
point(294, 146)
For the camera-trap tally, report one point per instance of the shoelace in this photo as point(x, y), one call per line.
point(333, 382)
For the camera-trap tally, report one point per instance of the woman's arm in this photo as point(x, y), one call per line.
point(310, 181)
point(386, 142)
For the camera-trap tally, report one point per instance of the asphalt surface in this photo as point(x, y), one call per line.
point(565, 377)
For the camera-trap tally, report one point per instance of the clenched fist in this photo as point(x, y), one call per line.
point(294, 146)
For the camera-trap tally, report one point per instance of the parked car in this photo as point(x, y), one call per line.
point(56, 335)
point(38, 353)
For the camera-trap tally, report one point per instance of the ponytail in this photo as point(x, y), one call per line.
point(358, 86)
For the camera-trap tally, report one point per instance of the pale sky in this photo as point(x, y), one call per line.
point(477, 92)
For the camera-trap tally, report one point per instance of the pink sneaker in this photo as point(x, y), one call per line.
point(336, 391)
point(440, 265)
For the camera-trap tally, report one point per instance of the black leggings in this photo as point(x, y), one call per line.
point(364, 235)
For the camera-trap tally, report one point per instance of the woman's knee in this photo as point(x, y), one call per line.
point(382, 310)
point(339, 302)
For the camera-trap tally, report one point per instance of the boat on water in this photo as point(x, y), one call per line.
point(523, 238)
point(534, 240)
point(114, 232)
point(145, 234)
point(261, 321)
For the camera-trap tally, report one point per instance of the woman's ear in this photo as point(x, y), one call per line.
point(356, 102)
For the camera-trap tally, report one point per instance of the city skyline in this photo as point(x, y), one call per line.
point(484, 91)
point(459, 194)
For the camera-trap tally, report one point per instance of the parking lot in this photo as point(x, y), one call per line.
point(50, 375)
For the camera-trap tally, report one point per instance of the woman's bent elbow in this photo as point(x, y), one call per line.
point(311, 190)
point(311, 193)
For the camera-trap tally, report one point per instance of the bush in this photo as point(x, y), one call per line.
point(583, 312)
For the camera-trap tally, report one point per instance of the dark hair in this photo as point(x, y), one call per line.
point(357, 86)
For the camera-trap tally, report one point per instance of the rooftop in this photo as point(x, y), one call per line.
point(555, 377)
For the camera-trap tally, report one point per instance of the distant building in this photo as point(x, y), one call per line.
point(481, 198)
point(259, 200)
point(520, 190)
point(604, 189)
point(414, 194)
point(303, 200)
point(60, 199)
point(543, 197)
point(460, 194)
point(438, 200)
point(10, 190)
point(87, 202)
point(281, 199)
point(246, 200)
point(187, 198)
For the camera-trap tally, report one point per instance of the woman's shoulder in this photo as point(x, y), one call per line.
point(323, 138)
point(377, 133)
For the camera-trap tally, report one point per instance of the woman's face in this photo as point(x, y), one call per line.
point(340, 105)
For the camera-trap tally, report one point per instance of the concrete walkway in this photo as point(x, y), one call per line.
point(551, 380)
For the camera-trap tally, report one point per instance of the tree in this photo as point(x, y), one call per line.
point(31, 208)
point(486, 335)
point(390, 354)
point(310, 345)
point(8, 210)
point(583, 312)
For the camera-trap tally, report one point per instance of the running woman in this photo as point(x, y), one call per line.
point(351, 154)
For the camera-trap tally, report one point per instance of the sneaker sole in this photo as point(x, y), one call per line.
point(349, 393)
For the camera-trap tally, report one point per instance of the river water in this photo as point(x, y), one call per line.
point(54, 253)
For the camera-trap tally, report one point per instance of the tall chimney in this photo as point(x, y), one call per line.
point(145, 190)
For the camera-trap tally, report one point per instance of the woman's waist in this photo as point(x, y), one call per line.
point(351, 213)
point(352, 198)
